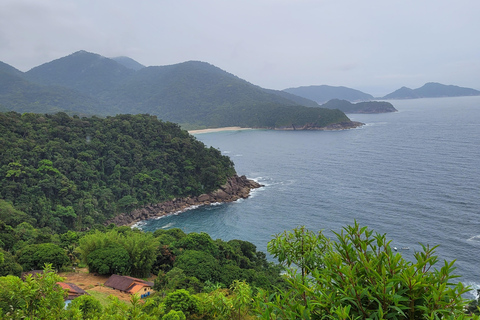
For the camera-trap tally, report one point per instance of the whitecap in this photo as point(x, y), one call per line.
point(168, 225)
point(474, 238)
point(474, 289)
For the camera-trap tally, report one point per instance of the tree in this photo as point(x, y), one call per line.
point(181, 300)
point(302, 248)
point(359, 276)
point(37, 297)
point(109, 260)
point(34, 257)
point(88, 306)
point(199, 264)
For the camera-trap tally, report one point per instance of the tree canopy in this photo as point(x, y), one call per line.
point(70, 173)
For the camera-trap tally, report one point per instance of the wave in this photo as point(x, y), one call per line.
point(168, 225)
point(474, 239)
point(474, 292)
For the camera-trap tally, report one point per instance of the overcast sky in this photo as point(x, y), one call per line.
point(375, 46)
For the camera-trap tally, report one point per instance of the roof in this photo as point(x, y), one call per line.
point(127, 284)
point(73, 290)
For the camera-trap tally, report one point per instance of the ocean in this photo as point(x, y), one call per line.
point(413, 174)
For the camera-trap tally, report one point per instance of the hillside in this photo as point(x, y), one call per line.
point(72, 173)
point(360, 107)
point(432, 90)
point(129, 63)
point(324, 93)
point(194, 94)
point(21, 95)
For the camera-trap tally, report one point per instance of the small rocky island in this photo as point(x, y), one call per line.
point(236, 187)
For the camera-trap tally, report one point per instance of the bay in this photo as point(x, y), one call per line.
point(412, 174)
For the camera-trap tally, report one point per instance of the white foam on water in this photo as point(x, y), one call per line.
point(168, 225)
point(474, 239)
point(474, 292)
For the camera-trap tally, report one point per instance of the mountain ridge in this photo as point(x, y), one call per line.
point(192, 93)
point(431, 90)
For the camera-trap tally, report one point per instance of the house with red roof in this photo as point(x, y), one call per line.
point(130, 285)
point(73, 290)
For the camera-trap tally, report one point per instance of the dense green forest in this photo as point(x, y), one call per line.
point(71, 173)
point(194, 94)
point(356, 275)
point(360, 107)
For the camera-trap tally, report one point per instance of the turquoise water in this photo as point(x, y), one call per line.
point(413, 174)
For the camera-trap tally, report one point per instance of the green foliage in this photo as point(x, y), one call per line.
point(181, 300)
point(136, 310)
point(141, 248)
point(194, 241)
point(199, 264)
point(174, 315)
point(35, 256)
point(360, 276)
point(71, 173)
point(12, 216)
point(37, 297)
point(109, 260)
point(235, 303)
point(177, 279)
point(129, 252)
point(8, 265)
point(89, 307)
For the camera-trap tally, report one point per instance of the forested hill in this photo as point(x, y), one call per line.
point(193, 93)
point(432, 90)
point(324, 93)
point(71, 173)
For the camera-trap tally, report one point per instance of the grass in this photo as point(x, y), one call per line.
point(102, 297)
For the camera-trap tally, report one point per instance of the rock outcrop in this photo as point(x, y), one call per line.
point(235, 188)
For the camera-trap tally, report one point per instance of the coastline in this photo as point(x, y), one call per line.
point(199, 131)
point(235, 188)
point(331, 127)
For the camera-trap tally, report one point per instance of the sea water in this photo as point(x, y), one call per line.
point(413, 174)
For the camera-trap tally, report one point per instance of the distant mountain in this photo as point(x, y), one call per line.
point(21, 95)
point(194, 94)
point(360, 107)
point(129, 63)
point(83, 71)
point(324, 93)
point(432, 90)
point(8, 69)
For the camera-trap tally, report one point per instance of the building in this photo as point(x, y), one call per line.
point(130, 285)
point(73, 290)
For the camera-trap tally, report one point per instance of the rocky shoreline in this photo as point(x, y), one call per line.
point(236, 187)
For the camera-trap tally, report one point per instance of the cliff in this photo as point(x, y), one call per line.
point(235, 188)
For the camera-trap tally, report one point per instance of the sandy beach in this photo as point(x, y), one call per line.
point(217, 130)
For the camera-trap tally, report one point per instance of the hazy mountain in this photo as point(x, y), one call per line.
point(324, 93)
point(86, 72)
point(194, 93)
point(292, 97)
point(129, 63)
point(360, 107)
point(21, 95)
point(432, 90)
point(8, 69)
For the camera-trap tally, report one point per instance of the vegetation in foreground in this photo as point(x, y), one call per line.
point(355, 276)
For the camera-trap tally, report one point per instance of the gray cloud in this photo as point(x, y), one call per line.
point(375, 44)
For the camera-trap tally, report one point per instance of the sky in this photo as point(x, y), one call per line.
point(375, 46)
